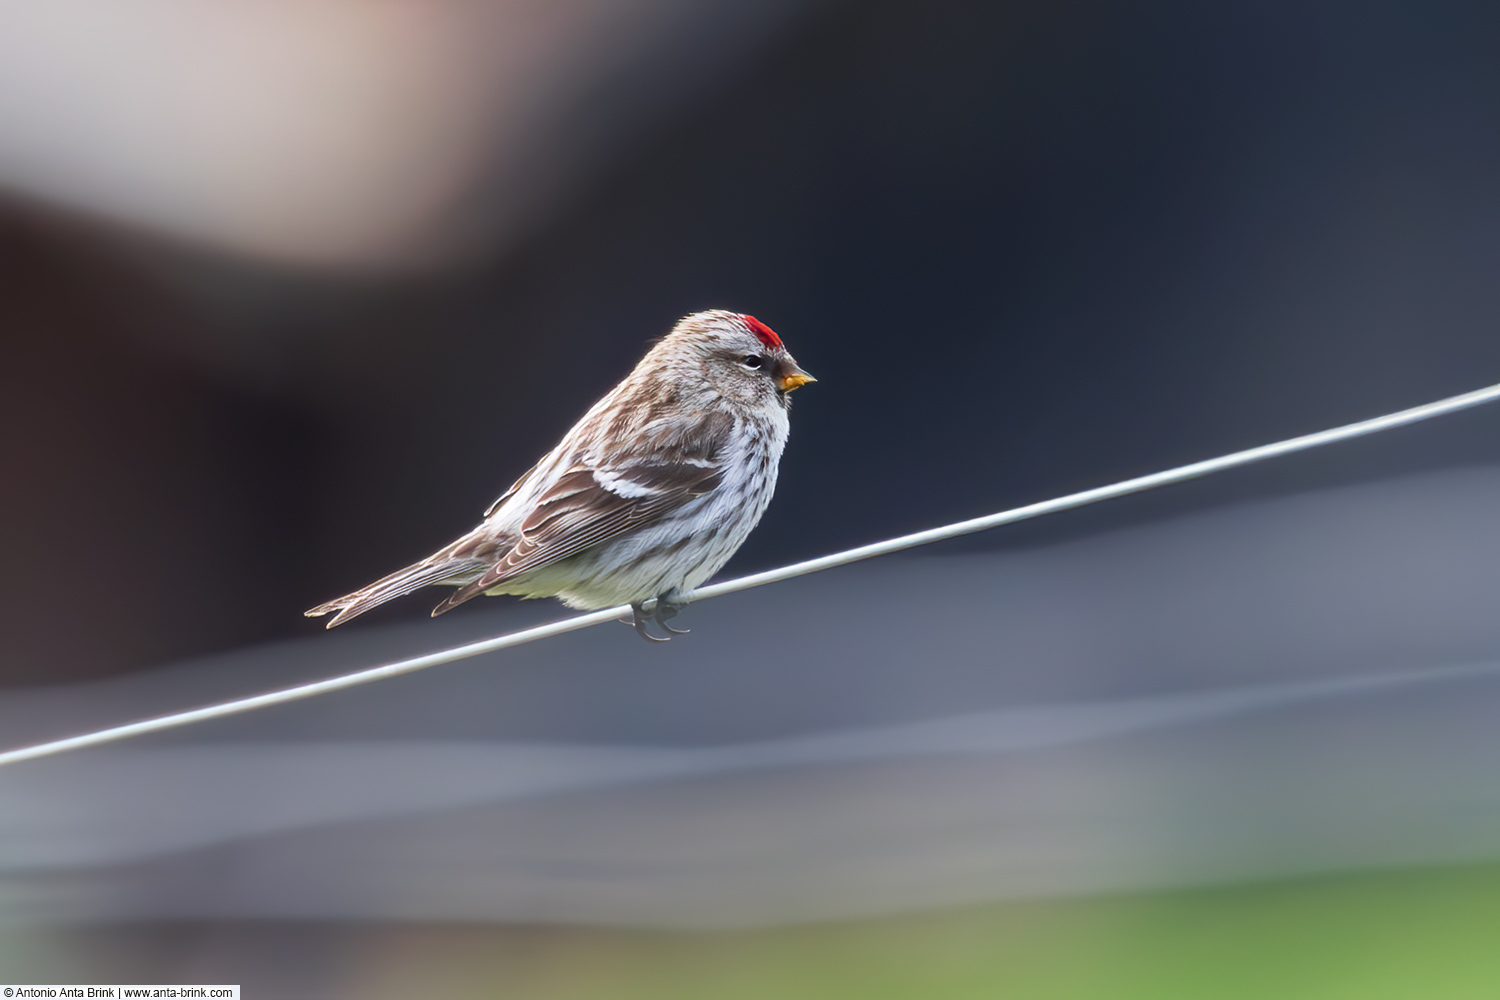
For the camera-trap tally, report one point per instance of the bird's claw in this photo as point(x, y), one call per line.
point(639, 618)
point(640, 628)
point(659, 614)
point(665, 609)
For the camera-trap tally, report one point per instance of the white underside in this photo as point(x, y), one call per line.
point(620, 571)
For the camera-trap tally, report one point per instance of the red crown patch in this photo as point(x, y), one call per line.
point(765, 333)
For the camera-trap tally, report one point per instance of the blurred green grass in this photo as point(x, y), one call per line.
point(1411, 934)
point(1423, 934)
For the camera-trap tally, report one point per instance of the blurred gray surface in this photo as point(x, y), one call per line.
point(1291, 686)
point(344, 134)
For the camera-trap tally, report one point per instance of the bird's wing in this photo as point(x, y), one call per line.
point(593, 502)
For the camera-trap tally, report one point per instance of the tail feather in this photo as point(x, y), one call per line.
point(398, 584)
point(467, 592)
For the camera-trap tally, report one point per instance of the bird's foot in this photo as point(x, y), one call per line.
point(665, 608)
point(639, 617)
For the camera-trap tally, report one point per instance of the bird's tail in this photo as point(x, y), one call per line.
point(440, 568)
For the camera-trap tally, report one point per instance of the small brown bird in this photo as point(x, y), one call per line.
point(645, 498)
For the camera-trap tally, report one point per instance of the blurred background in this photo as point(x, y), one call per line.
point(290, 291)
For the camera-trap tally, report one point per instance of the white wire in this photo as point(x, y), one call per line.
point(1170, 476)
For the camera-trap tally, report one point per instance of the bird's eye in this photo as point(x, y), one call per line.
point(752, 361)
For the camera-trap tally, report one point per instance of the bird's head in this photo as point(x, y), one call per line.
point(736, 356)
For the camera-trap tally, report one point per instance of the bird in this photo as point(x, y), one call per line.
point(645, 498)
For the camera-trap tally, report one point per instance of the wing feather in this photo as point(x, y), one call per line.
point(593, 503)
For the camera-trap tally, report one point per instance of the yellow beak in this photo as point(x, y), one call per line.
point(795, 380)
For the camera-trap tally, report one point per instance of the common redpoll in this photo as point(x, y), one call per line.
point(645, 498)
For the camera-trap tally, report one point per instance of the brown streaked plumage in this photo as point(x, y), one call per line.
point(645, 498)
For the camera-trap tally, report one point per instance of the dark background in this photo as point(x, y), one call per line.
point(1026, 248)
